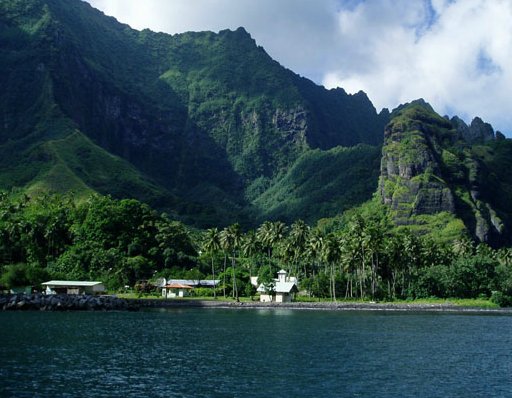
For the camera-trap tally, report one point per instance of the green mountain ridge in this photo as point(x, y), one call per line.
point(210, 129)
point(205, 116)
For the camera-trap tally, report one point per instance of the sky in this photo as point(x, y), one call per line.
point(456, 54)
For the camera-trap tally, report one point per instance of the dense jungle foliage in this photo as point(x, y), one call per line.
point(355, 256)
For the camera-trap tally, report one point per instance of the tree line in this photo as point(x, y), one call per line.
point(359, 255)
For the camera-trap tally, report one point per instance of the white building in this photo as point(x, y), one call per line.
point(73, 287)
point(172, 290)
point(282, 290)
point(181, 287)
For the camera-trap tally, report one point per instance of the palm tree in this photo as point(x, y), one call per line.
point(360, 243)
point(211, 244)
point(299, 235)
point(409, 258)
point(250, 246)
point(232, 237)
point(225, 246)
point(314, 247)
point(484, 250)
point(348, 263)
point(263, 234)
point(331, 254)
point(374, 237)
point(270, 234)
point(393, 262)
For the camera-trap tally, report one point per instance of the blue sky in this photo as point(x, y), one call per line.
point(453, 53)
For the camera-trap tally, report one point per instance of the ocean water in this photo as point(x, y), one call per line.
point(255, 353)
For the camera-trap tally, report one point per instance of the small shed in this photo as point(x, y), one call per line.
point(281, 291)
point(73, 287)
point(172, 290)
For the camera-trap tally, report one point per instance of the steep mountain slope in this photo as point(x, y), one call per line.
point(442, 176)
point(322, 183)
point(202, 121)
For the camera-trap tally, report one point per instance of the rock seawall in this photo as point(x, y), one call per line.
point(64, 302)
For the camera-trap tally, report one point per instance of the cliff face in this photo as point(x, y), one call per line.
point(411, 180)
point(209, 120)
point(433, 174)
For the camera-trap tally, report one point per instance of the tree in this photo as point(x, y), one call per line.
point(314, 249)
point(20, 275)
point(250, 247)
point(231, 239)
point(211, 244)
point(296, 243)
point(504, 256)
point(270, 234)
point(174, 244)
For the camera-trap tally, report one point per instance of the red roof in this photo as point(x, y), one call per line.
point(177, 286)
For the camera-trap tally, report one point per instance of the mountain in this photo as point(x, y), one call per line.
point(443, 177)
point(205, 126)
point(212, 130)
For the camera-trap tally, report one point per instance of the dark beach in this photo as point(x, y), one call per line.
point(331, 306)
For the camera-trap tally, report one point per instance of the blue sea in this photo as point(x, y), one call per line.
point(255, 353)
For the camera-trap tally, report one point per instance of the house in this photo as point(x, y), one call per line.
point(281, 291)
point(172, 290)
point(182, 287)
point(73, 287)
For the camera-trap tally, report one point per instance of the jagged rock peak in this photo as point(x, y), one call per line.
point(239, 32)
point(477, 132)
point(481, 130)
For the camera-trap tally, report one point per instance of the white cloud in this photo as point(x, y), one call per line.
point(294, 32)
point(454, 53)
point(458, 58)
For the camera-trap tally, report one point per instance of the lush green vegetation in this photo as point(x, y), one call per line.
point(314, 187)
point(358, 256)
point(197, 124)
point(118, 242)
point(438, 181)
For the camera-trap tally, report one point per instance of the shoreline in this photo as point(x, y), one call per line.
point(39, 302)
point(318, 306)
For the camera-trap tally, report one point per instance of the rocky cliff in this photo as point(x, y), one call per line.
point(433, 174)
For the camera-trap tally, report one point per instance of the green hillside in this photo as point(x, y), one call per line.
point(199, 119)
point(322, 183)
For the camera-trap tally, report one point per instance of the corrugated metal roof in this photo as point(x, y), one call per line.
point(195, 282)
point(71, 283)
point(279, 287)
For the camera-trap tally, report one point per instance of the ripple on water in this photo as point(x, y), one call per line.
point(224, 353)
